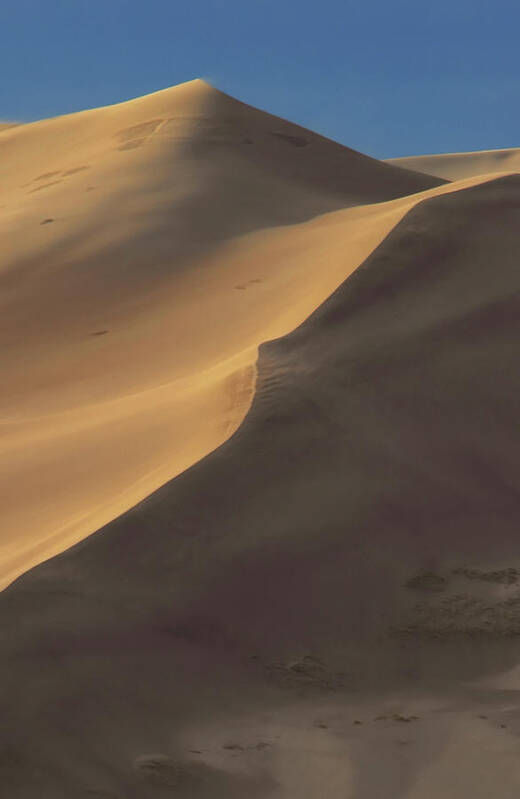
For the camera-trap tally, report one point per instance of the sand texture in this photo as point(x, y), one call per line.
point(268, 390)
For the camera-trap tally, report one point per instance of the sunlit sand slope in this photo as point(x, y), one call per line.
point(454, 166)
point(336, 586)
point(132, 300)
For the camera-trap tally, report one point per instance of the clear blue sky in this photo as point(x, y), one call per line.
point(388, 77)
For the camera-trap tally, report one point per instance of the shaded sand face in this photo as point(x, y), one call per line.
point(321, 350)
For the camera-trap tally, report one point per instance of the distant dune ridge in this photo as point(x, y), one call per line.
point(454, 166)
point(267, 388)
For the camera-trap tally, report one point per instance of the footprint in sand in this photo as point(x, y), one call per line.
point(137, 135)
point(45, 186)
point(46, 175)
point(74, 171)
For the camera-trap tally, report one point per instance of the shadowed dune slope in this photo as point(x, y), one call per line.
point(455, 166)
point(130, 310)
point(368, 503)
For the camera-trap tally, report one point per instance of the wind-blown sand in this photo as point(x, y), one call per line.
point(454, 166)
point(326, 603)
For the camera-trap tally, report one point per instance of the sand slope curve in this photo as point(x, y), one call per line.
point(135, 287)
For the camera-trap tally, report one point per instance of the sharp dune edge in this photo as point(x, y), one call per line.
point(325, 600)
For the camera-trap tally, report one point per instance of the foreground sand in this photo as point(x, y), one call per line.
point(327, 604)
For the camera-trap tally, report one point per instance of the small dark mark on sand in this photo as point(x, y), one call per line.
point(46, 175)
point(45, 186)
point(46, 221)
point(74, 171)
point(99, 333)
point(131, 145)
point(504, 576)
point(426, 581)
point(296, 141)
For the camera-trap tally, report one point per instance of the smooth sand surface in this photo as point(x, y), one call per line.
point(327, 601)
point(454, 166)
point(133, 299)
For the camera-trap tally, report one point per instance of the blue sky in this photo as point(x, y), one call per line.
point(390, 78)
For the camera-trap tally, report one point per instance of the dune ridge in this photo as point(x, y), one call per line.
point(454, 166)
point(142, 266)
point(6, 125)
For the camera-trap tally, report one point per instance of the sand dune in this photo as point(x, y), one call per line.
point(133, 302)
point(320, 348)
point(219, 638)
point(454, 166)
